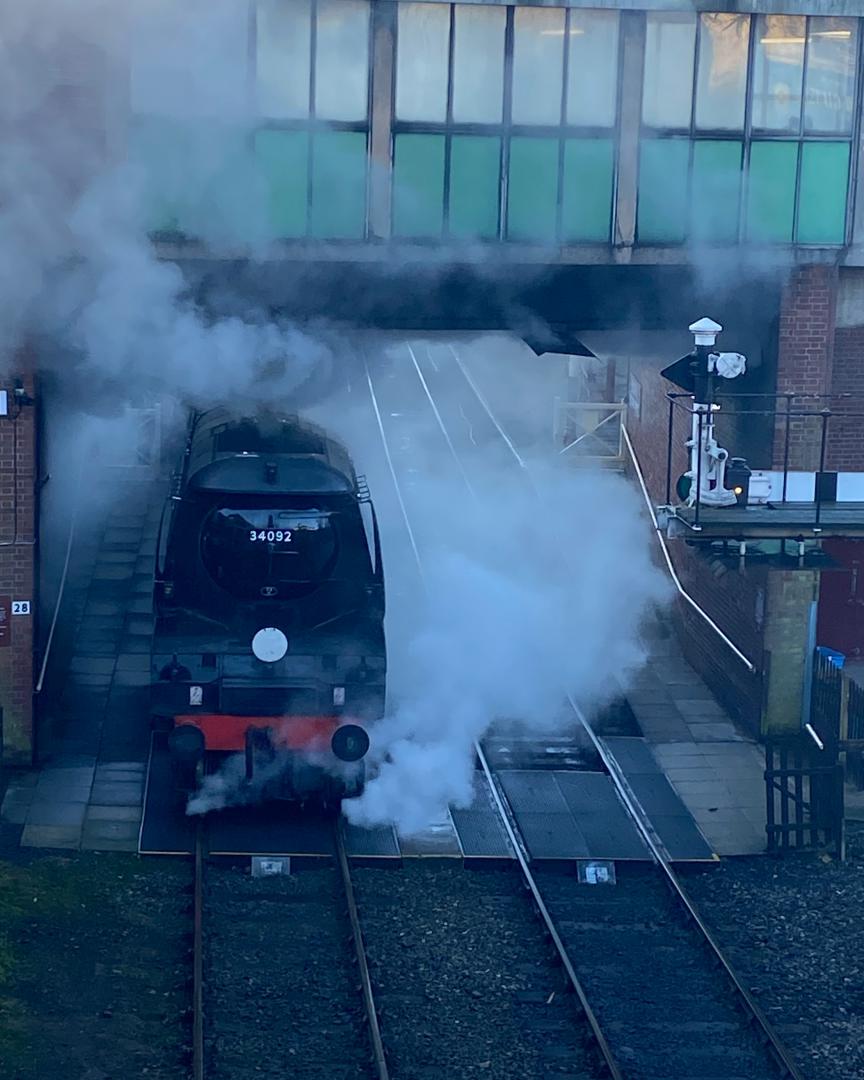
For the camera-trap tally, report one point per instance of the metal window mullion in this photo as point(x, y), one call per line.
point(448, 138)
point(697, 42)
point(565, 74)
point(750, 77)
point(629, 130)
point(507, 124)
point(799, 158)
point(854, 204)
point(310, 167)
point(382, 100)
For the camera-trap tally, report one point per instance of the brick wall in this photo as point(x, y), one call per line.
point(805, 356)
point(845, 441)
point(17, 566)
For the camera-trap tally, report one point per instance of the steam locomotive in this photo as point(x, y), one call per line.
point(269, 603)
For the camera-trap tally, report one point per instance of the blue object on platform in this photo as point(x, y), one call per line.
point(838, 659)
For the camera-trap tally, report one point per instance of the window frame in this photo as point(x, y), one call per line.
point(505, 131)
point(748, 134)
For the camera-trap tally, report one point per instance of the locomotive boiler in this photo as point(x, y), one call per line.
point(269, 605)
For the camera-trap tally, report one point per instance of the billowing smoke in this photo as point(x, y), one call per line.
point(84, 84)
point(534, 584)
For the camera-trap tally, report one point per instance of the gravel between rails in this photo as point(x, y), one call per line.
point(464, 978)
point(281, 991)
point(668, 1012)
point(792, 930)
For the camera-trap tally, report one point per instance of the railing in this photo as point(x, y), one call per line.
point(590, 431)
point(793, 411)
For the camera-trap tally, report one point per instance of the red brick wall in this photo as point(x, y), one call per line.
point(845, 439)
point(805, 356)
point(17, 564)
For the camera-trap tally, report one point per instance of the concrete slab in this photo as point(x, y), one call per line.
point(112, 573)
point(133, 678)
point(104, 608)
point(117, 793)
point(133, 662)
point(113, 813)
point(51, 812)
point(713, 731)
point(110, 836)
point(51, 836)
point(16, 804)
point(92, 665)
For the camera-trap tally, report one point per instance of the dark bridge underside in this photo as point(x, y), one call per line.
point(526, 299)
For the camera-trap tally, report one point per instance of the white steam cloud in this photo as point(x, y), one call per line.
point(535, 582)
point(82, 83)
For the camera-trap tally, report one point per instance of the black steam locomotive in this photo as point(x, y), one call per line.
point(269, 600)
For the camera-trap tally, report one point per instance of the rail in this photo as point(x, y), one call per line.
point(198, 956)
point(590, 431)
point(362, 963)
point(518, 850)
point(646, 830)
point(521, 857)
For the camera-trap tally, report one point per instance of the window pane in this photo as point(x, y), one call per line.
point(475, 165)
point(667, 93)
point(829, 87)
point(592, 71)
point(418, 185)
point(338, 207)
point(662, 214)
point(422, 56)
point(283, 156)
point(160, 150)
point(715, 190)
point(777, 72)
point(283, 58)
point(342, 59)
point(532, 202)
point(478, 64)
point(175, 50)
point(822, 198)
point(771, 190)
point(722, 78)
point(538, 65)
point(587, 196)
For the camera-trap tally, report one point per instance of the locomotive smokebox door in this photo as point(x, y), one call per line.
point(350, 742)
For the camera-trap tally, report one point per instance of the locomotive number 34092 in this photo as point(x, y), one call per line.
point(278, 536)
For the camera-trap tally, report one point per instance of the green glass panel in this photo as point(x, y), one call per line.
point(159, 149)
point(822, 196)
point(418, 185)
point(283, 157)
point(587, 195)
point(715, 191)
point(662, 201)
point(338, 209)
point(771, 191)
point(532, 201)
point(475, 163)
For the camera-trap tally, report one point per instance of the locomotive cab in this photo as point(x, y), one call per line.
point(269, 602)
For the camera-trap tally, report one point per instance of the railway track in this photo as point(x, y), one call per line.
point(280, 976)
point(652, 1010)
